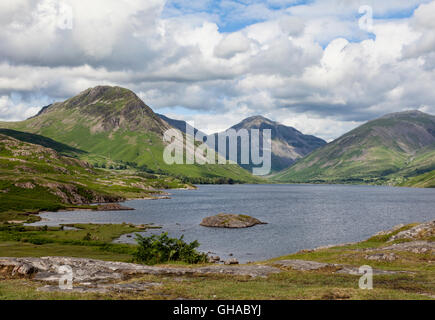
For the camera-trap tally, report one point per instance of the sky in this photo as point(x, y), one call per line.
point(321, 66)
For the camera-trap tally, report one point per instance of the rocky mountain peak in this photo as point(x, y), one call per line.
point(102, 93)
point(407, 114)
point(255, 122)
point(109, 108)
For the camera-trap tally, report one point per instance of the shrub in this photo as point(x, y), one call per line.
point(87, 237)
point(160, 249)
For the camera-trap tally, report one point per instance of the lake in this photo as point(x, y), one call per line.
point(298, 216)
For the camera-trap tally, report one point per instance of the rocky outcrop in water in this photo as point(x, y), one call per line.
point(223, 220)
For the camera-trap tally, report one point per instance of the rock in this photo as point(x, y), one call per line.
point(75, 289)
point(382, 257)
point(231, 261)
point(15, 221)
point(70, 194)
point(85, 271)
point(355, 271)
point(24, 270)
point(223, 220)
point(25, 185)
point(214, 259)
point(423, 230)
point(305, 265)
point(421, 250)
point(411, 246)
point(103, 288)
point(112, 207)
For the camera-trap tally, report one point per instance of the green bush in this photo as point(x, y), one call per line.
point(87, 237)
point(160, 249)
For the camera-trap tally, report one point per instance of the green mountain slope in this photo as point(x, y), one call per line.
point(390, 149)
point(42, 141)
point(33, 178)
point(426, 180)
point(113, 123)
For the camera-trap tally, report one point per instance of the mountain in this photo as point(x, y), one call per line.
point(390, 150)
point(181, 125)
point(113, 124)
point(288, 144)
point(35, 177)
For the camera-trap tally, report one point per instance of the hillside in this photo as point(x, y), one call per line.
point(390, 150)
point(42, 141)
point(112, 123)
point(426, 180)
point(288, 144)
point(181, 125)
point(35, 178)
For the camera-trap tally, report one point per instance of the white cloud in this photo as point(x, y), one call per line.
point(14, 109)
point(231, 45)
point(423, 23)
point(306, 65)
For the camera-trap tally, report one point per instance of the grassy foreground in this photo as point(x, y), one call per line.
point(416, 280)
point(79, 240)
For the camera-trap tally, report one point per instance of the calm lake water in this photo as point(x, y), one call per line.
point(298, 216)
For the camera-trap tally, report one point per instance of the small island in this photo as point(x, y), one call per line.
point(224, 220)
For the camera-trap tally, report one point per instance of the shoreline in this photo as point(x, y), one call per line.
point(243, 255)
point(408, 257)
point(400, 259)
point(166, 195)
point(228, 255)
